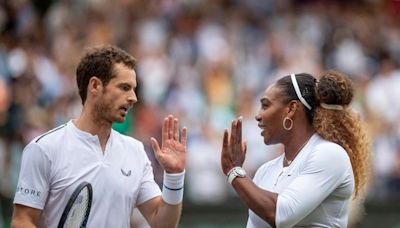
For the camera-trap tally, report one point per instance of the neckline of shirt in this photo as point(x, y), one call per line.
point(310, 142)
point(84, 134)
point(92, 138)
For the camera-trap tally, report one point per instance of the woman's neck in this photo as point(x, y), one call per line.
point(296, 144)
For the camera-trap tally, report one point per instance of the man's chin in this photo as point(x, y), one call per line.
point(119, 120)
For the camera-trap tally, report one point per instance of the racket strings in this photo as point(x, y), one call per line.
point(77, 214)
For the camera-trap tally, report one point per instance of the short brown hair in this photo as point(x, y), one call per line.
point(99, 61)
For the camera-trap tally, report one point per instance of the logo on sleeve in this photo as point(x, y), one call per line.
point(126, 173)
point(28, 191)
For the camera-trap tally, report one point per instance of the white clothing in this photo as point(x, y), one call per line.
point(54, 164)
point(314, 191)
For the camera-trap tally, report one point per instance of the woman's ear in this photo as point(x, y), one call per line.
point(292, 108)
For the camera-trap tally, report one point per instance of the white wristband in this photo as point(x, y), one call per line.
point(172, 192)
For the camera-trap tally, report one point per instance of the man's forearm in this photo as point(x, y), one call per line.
point(165, 211)
point(170, 208)
point(168, 215)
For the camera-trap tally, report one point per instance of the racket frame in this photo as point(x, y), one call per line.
point(71, 201)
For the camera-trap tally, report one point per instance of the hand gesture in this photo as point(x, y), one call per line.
point(233, 150)
point(172, 155)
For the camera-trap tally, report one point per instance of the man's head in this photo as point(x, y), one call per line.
point(107, 81)
point(100, 62)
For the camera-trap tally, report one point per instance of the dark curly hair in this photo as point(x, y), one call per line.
point(99, 62)
point(343, 127)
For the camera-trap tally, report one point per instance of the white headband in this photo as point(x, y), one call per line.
point(297, 89)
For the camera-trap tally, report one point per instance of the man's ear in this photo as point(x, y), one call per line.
point(95, 85)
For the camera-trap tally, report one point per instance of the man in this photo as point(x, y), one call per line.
point(87, 149)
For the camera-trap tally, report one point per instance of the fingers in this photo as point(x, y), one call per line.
point(170, 130)
point(170, 127)
point(225, 140)
point(239, 131)
point(233, 150)
point(224, 150)
point(164, 131)
point(155, 146)
point(176, 129)
point(244, 148)
point(233, 137)
point(236, 132)
point(184, 136)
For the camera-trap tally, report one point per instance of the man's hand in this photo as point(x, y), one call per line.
point(172, 155)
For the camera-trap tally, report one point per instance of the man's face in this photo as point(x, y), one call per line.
point(271, 115)
point(118, 96)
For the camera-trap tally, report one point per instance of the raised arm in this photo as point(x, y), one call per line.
point(233, 154)
point(320, 176)
point(165, 211)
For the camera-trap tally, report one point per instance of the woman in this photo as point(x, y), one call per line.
point(325, 157)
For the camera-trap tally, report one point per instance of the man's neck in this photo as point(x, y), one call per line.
point(86, 122)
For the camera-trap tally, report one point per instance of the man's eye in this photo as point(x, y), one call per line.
point(126, 88)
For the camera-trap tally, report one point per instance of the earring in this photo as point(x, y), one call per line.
point(284, 124)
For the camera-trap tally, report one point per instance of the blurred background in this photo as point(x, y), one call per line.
point(205, 61)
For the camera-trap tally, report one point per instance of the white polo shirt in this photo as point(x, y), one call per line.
point(54, 164)
point(314, 191)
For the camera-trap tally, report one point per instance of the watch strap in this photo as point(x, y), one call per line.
point(233, 173)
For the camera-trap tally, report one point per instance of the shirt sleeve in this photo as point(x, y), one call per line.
point(33, 183)
point(148, 187)
point(325, 169)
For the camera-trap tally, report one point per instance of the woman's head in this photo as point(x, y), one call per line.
point(325, 103)
point(333, 91)
point(280, 103)
point(306, 84)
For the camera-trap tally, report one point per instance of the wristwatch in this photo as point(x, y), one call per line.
point(236, 172)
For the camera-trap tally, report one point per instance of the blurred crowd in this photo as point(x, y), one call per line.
point(205, 61)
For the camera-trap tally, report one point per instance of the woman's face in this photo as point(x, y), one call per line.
point(270, 117)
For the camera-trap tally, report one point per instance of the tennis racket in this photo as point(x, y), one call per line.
point(76, 213)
